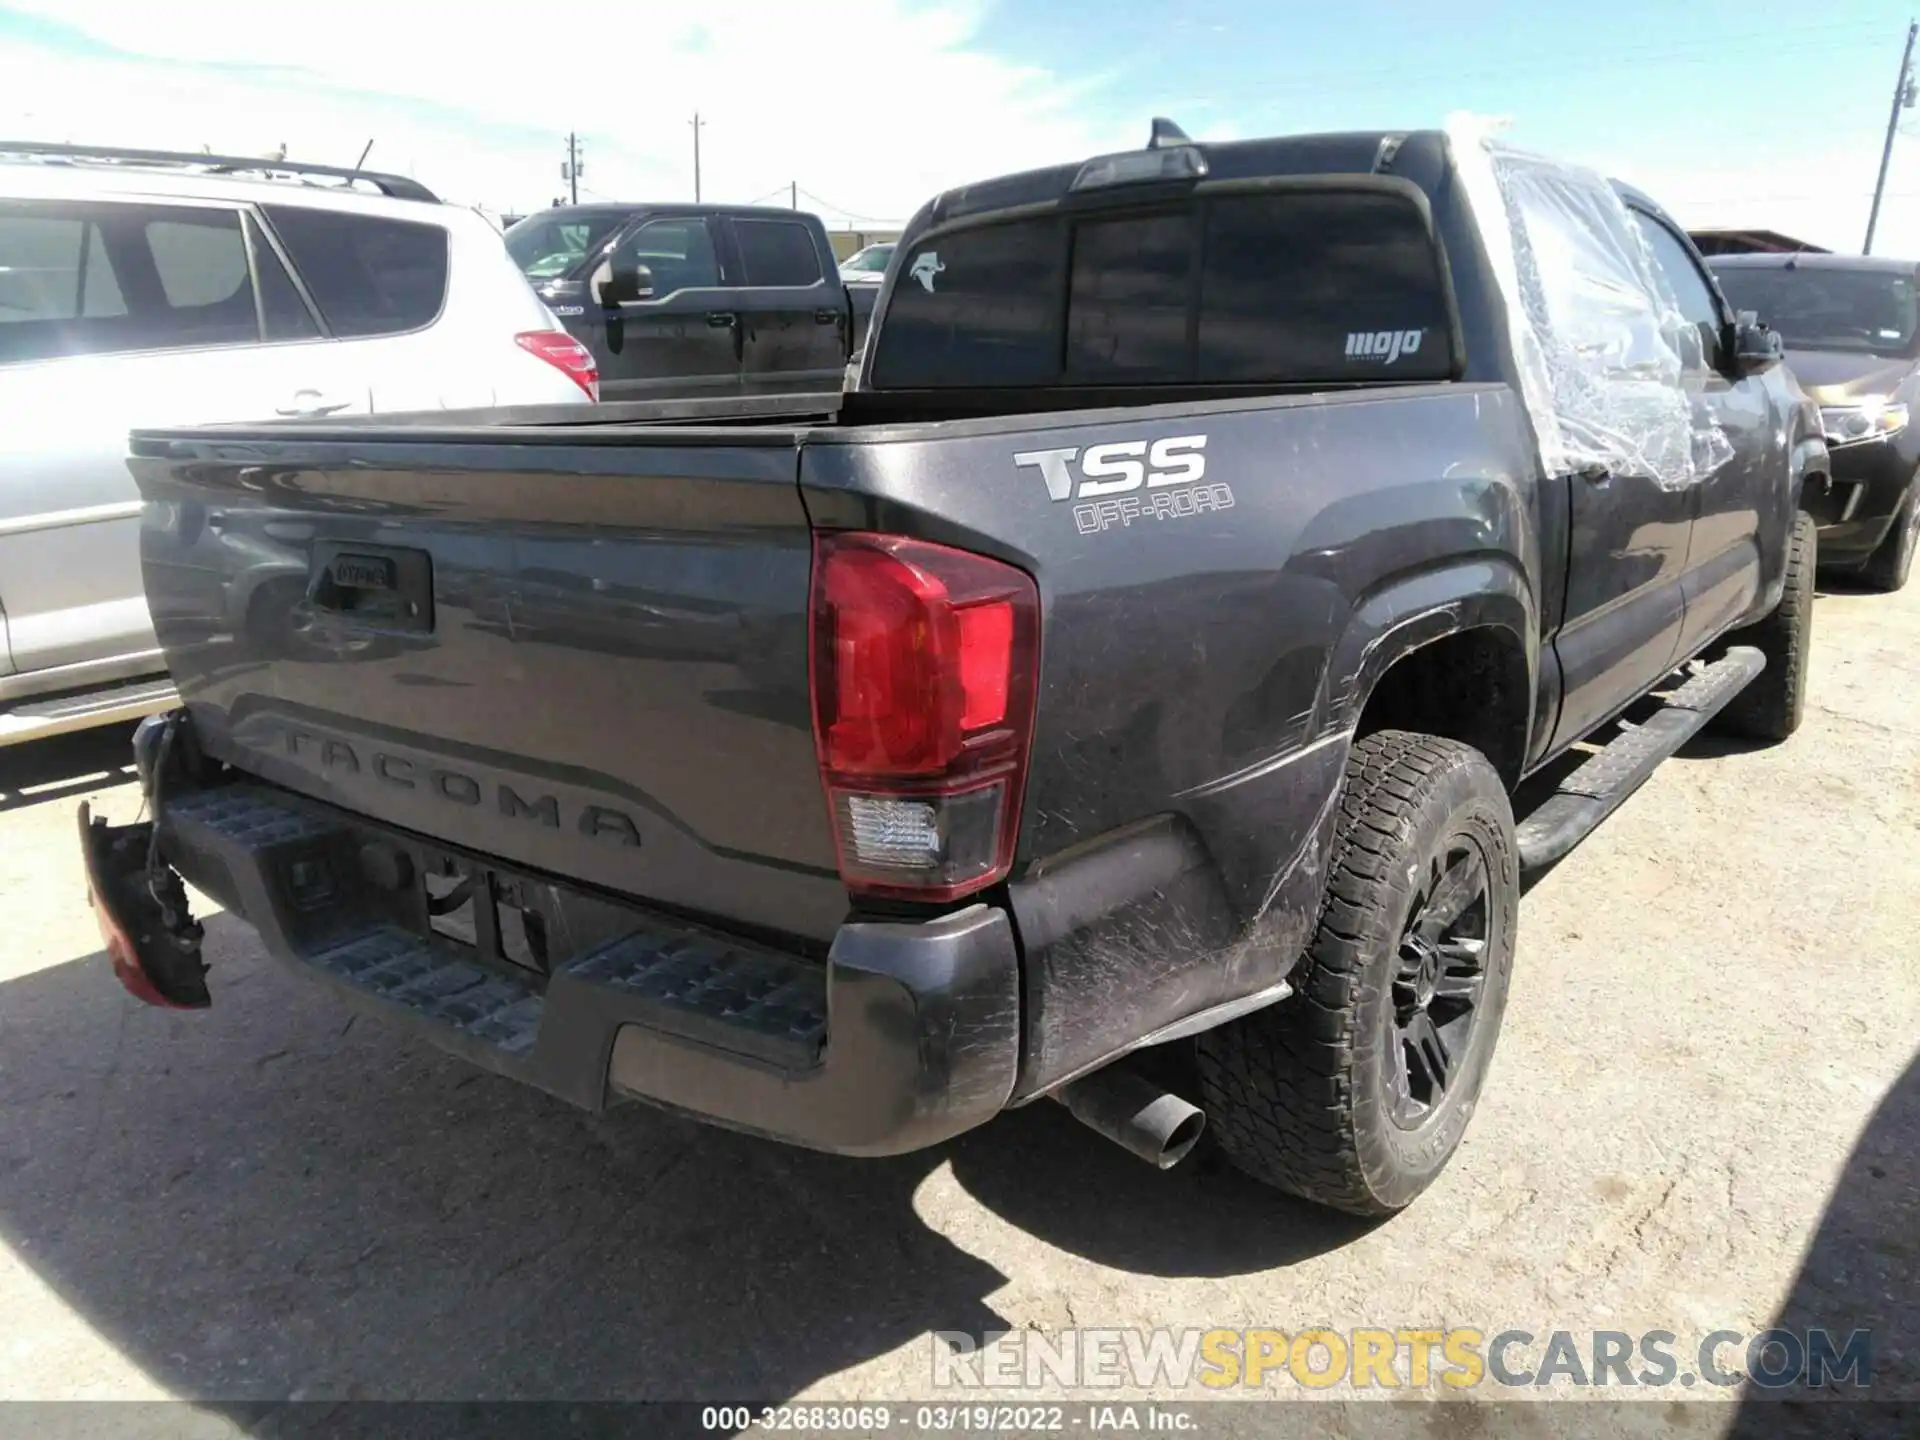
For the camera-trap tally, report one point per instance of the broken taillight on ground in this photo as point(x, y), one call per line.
point(151, 939)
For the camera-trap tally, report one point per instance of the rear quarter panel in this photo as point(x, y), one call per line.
point(1204, 659)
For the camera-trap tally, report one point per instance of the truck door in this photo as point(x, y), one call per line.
point(1629, 533)
point(1626, 604)
point(793, 306)
point(683, 341)
point(1723, 570)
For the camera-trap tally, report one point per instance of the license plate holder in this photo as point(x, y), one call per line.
point(494, 914)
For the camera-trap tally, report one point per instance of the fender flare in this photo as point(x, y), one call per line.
point(1410, 611)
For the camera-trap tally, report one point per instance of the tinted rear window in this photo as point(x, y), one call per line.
point(1131, 295)
point(1330, 286)
point(982, 307)
point(777, 252)
point(1295, 287)
point(368, 275)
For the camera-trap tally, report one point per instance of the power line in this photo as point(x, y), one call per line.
point(1782, 197)
point(1839, 34)
point(842, 211)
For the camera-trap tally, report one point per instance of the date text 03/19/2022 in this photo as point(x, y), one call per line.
point(979, 1419)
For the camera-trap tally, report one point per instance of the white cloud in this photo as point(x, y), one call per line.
point(871, 105)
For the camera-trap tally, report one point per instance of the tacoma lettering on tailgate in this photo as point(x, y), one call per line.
point(336, 758)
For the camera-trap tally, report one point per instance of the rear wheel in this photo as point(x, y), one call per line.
point(1355, 1091)
point(1892, 563)
point(1771, 706)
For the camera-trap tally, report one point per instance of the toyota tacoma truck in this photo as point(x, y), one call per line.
point(1118, 696)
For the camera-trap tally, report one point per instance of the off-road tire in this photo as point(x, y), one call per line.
point(1299, 1095)
point(1771, 706)
point(1891, 563)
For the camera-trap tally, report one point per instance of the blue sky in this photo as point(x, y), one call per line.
point(1659, 85)
point(1760, 113)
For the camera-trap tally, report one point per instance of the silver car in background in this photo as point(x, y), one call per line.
point(141, 288)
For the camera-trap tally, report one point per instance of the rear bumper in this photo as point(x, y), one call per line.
point(903, 1036)
point(1854, 512)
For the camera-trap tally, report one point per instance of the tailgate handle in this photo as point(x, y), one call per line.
point(384, 586)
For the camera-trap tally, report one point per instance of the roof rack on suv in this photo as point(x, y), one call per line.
point(397, 187)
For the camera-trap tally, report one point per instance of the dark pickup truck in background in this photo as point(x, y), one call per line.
point(1142, 656)
point(696, 300)
point(1851, 327)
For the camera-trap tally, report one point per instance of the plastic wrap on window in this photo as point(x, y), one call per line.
point(1610, 370)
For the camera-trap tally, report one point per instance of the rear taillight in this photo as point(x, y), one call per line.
point(566, 355)
point(923, 690)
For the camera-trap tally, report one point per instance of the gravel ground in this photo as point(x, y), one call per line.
point(1705, 1114)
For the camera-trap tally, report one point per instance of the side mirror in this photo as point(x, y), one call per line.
point(1756, 349)
point(617, 283)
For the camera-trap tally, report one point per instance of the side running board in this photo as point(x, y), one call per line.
point(45, 717)
point(1597, 788)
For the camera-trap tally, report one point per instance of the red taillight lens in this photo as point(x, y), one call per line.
point(924, 662)
point(566, 355)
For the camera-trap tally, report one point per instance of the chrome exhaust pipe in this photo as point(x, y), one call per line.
point(1135, 1114)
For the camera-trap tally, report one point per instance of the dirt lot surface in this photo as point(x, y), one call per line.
point(1705, 1115)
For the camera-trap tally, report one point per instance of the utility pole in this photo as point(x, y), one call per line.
point(570, 172)
point(1902, 100)
point(696, 122)
point(793, 194)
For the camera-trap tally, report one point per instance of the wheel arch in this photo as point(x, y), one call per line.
point(1452, 652)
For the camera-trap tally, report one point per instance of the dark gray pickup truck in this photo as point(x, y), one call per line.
point(691, 301)
point(1141, 657)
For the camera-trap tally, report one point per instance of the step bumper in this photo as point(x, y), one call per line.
point(905, 1035)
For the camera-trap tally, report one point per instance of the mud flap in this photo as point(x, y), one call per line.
point(140, 905)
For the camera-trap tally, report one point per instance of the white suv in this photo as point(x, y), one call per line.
point(140, 288)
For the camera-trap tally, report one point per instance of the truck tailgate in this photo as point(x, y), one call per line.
point(586, 658)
